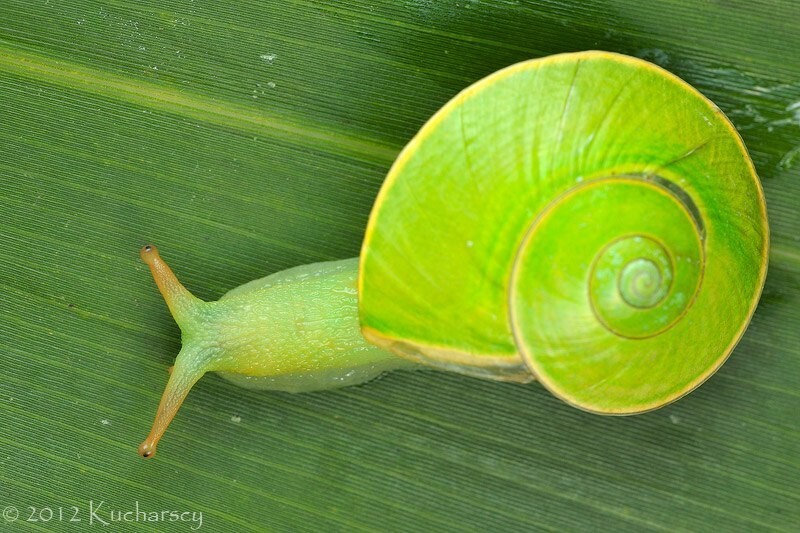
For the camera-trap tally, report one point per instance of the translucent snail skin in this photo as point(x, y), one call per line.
point(295, 331)
point(588, 220)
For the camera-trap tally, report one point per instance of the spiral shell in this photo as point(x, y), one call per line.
point(586, 219)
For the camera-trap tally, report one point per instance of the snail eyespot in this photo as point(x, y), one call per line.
point(148, 253)
point(147, 450)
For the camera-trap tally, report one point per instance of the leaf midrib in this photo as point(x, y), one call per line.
point(190, 105)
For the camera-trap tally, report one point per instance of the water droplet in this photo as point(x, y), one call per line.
point(788, 159)
point(654, 55)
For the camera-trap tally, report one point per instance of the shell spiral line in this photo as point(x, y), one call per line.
point(645, 258)
point(588, 219)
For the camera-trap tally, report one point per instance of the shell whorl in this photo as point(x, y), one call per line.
point(588, 218)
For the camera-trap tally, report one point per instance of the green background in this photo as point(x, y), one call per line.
point(243, 138)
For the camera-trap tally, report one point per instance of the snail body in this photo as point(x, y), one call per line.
point(294, 331)
point(588, 220)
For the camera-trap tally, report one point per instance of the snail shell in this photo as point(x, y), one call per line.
point(587, 219)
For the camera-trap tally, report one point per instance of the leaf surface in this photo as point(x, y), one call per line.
point(248, 137)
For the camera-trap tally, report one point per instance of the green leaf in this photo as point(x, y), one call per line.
point(247, 137)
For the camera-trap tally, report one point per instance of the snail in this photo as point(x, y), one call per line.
point(587, 220)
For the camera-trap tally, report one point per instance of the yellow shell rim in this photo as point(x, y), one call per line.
point(410, 148)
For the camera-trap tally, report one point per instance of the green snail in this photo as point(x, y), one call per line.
point(587, 220)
